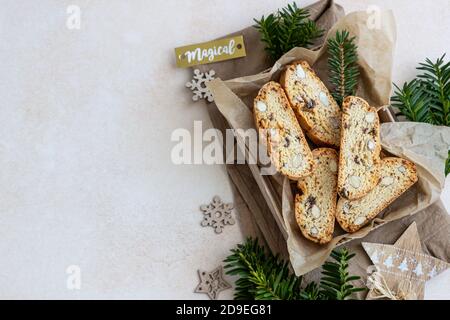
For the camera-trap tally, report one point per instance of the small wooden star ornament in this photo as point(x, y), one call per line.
point(212, 283)
point(402, 269)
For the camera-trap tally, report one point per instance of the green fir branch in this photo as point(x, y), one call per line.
point(436, 80)
point(336, 280)
point(311, 292)
point(263, 276)
point(288, 28)
point(342, 65)
point(412, 101)
point(427, 97)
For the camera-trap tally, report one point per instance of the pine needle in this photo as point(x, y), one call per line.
point(412, 101)
point(447, 165)
point(436, 83)
point(336, 281)
point(262, 276)
point(342, 65)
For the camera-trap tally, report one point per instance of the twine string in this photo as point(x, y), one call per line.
point(384, 107)
point(381, 289)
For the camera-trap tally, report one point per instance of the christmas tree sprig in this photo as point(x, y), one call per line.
point(263, 276)
point(412, 101)
point(336, 281)
point(342, 65)
point(436, 80)
point(288, 28)
point(427, 97)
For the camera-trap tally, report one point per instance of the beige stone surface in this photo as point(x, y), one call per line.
point(86, 119)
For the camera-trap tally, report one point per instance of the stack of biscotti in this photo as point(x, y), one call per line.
point(364, 183)
point(396, 176)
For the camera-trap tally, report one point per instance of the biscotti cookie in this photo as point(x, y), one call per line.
point(397, 175)
point(359, 155)
point(315, 207)
point(317, 111)
point(279, 129)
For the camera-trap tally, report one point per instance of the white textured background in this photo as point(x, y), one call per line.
point(85, 123)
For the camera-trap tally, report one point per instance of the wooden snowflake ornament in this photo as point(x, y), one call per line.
point(198, 85)
point(217, 214)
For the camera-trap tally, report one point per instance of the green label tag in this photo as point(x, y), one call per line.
point(212, 51)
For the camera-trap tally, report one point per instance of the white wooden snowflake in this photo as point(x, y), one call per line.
point(198, 85)
point(217, 214)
